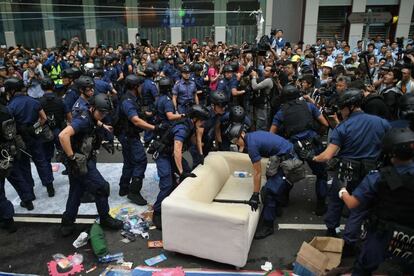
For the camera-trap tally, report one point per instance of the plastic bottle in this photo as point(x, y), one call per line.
point(241, 174)
point(110, 258)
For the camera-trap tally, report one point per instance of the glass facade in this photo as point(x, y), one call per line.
point(28, 24)
point(332, 20)
point(154, 20)
point(111, 28)
point(197, 20)
point(69, 19)
point(241, 26)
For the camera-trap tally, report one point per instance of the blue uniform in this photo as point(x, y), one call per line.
point(359, 138)
point(163, 105)
point(171, 72)
point(185, 92)
point(227, 85)
point(25, 110)
point(110, 75)
point(181, 131)
point(70, 97)
point(102, 86)
point(93, 181)
point(265, 144)
point(149, 95)
point(133, 152)
point(199, 82)
point(318, 169)
point(375, 248)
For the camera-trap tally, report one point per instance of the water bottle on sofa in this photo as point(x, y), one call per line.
point(241, 174)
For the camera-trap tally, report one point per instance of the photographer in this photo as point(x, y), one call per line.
point(261, 98)
point(32, 77)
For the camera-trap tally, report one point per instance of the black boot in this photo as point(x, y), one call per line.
point(264, 230)
point(156, 220)
point(134, 192)
point(320, 209)
point(27, 204)
point(67, 227)
point(111, 223)
point(331, 232)
point(50, 190)
point(9, 225)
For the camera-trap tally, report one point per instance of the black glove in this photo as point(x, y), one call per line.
point(254, 201)
point(78, 164)
point(160, 128)
point(109, 146)
point(184, 175)
point(306, 155)
point(201, 159)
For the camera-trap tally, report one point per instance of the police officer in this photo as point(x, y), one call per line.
point(131, 125)
point(235, 114)
point(356, 143)
point(170, 161)
point(164, 107)
point(170, 70)
point(56, 113)
point(110, 72)
point(229, 83)
point(406, 112)
point(78, 141)
point(260, 144)
point(389, 192)
point(296, 120)
point(72, 92)
point(184, 92)
point(30, 118)
point(149, 94)
point(198, 79)
point(101, 86)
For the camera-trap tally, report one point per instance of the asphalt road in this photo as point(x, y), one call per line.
point(32, 246)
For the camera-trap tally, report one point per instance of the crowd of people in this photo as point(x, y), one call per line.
point(347, 113)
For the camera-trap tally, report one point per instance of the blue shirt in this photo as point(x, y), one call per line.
point(198, 80)
point(171, 72)
point(360, 136)
point(367, 190)
point(80, 106)
point(183, 130)
point(128, 108)
point(24, 109)
point(278, 121)
point(110, 74)
point(149, 92)
point(227, 85)
point(70, 97)
point(265, 144)
point(102, 86)
point(163, 105)
point(185, 91)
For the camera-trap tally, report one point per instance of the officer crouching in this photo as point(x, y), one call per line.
point(390, 191)
point(78, 141)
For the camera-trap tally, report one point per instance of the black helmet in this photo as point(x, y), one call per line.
point(13, 84)
point(235, 66)
point(406, 106)
point(109, 59)
point(350, 97)
point(94, 72)
point(85, 82)
point(399, 142)
point(150, 71)
point(234, 131)
point(47, 83)
point(76, 72)
point(185, 69)
point(197, 67)
point(102, 102)
point(227, 68)
point(219, 98)
point(237, 114)
point(67, 73)
point(132, 81)
point(198, 111)
point(165, 85)
point(290, 92)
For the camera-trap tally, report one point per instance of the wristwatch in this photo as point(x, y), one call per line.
point(341, 192)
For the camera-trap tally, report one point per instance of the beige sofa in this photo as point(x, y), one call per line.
point(195, 225)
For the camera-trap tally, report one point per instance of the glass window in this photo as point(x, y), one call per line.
point(28, 24)
point(154, 21)
point(332, 20)
point(197, 19)
point(382, 29)
point(69, 21)
point(111, 22)
point(235, 19)
point(2, 38)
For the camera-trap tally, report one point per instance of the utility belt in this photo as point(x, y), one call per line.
point(161, 144)
point(351, 172)
point(401, 244)
point(292, 167)
point(186, 103)
point(37, 131)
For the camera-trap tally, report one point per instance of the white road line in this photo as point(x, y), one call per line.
point(298, 226)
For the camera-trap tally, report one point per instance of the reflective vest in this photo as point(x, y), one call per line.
point(55, 74)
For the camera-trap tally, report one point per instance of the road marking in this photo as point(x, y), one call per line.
point(298, 226)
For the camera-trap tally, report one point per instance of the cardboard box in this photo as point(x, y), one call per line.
point(321, 254)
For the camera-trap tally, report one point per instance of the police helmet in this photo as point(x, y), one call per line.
point(235, 66)
point(165, 85)
point(76, 72)
point(234, 131)
point(13, 84)
point(198, 111)
point(185, 69)
point(406, 106)
point(94, 72)
point(109, 59)
point(350, 97)
point(132, 81)
point(197, 67)
point(47, 83)
point(237, 114)
point(227, 68)
point(150, 71)
point(85, 82)
point(290, 92)
point(67, 73)
point(219, 98)
point(102, 102)
point(399, 142)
